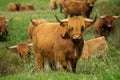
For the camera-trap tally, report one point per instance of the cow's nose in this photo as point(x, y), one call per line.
point(76, 36)
point(109, 25)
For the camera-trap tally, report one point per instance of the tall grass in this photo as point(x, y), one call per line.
point(93, 69)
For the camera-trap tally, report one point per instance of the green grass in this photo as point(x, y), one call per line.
point(13, 68)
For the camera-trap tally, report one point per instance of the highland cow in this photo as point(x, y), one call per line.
point(60, 42)
point(104, 25)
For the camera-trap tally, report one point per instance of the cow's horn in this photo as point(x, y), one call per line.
point(56, 17)
point(102, 16)
point(30, 44)
point(116, 17)
point(12, 47)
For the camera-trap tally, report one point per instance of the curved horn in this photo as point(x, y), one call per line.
point(12, 47)
point(30, 44)
point(102, 17)
point(56, 17)
point(116, 17)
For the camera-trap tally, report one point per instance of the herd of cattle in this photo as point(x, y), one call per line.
point(63, 42)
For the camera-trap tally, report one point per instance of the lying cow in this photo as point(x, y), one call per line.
point(34, 23)
point(104, 25)
point(60, 42)
point(21, 49)
point(4, 25)
point(96, 46)
point(13, 7)
point(19, 7)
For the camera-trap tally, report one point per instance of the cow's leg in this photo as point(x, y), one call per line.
point(40, 59)
point(52, 65)
point(73, 65)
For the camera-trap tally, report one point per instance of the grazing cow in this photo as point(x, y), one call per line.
point(96, 46)
point(90, 2)
point(4, 25)
point(21, 49)
point(76, 8)
point(53, 5)
point(34, 23)
point(60, 42)
point(104, 25)
point(19, 7)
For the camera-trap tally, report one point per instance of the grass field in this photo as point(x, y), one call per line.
point(13, 68)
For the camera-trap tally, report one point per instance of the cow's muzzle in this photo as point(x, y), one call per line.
point(76, 37)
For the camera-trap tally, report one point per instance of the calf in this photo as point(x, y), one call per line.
point(96, 46)
point(21, 49)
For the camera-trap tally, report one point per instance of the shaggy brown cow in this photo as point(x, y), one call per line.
point(104, 25)
point(53, 5)
point(13, 7)
point(24, 7)
point(96, 46)
point(4, 25)
point(21, 49)
point(90, 2)
point(19, 7)
point(76, 8)
point(34, 23)
point(60, 42)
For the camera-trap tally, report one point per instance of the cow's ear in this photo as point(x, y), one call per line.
point(88, 23)
point(33, 22)
point(64, 24)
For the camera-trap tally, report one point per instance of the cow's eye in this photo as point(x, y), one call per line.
point(70, 28)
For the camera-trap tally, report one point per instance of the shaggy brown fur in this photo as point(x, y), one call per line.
point(104, 25)
point(19, 7)
point(53, 5)
point(59, 42)
point(76, 8)
point(21, 49)
point(90, 2)
point(4, 25)
point(33, 25)
point(96, 46)
point(13, 7)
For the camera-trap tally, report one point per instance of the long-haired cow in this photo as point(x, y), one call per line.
point(21, 49)
point(104, 25)
point(4, 25)
point(76, 8)
point(60, 42)
point(19, 7)
point(95, 47)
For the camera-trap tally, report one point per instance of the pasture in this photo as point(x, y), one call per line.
point(13, 68)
